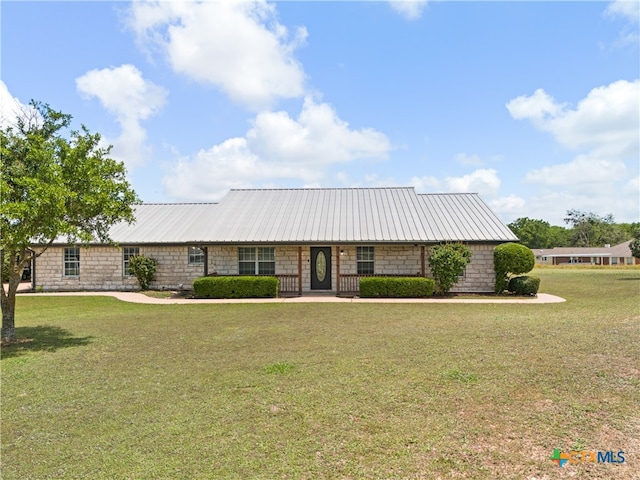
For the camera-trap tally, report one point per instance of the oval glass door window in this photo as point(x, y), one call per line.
point(321, 266)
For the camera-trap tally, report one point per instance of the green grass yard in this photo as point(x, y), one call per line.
point(115, 390)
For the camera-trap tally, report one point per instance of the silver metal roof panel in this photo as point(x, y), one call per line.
point(464, 217)
point(322, 215)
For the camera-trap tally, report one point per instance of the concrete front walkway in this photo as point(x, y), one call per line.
point(135, 297)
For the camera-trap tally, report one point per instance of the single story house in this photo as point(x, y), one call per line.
point(617, 255)
point(313, 240)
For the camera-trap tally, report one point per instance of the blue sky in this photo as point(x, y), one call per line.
point(533, 105)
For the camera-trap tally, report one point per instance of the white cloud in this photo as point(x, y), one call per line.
point(607, 119)
point(509, 207)
point(465, 159)
point(316, 138)
point(123, 92)
point(628, 9)
point(537, 107)
point(553, 204)
point(604, 130)
point(409, 9)
point(482, 181)
point(368, 180)
point(276, 147)
point(212, 172)
point(426, 184)
point(629, 12)
point(581, 174)
point(606, 123)
point(238, 46)
point(10, 107)
point(633, 186)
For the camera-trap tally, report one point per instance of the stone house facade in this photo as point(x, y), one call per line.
point(102, 267)
point(311, 239)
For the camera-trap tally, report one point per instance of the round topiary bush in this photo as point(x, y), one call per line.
point(511, 259)
point(524, 285)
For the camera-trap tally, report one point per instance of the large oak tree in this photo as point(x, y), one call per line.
point(54, 184)
point(538, 233)
point(591, 230)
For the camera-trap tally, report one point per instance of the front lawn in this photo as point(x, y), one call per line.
point(108, 389)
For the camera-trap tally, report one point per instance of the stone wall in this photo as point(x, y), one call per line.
point(389, 259)
point(101, 266)
point(479, 275)
point(223, 260)
point(101, 269)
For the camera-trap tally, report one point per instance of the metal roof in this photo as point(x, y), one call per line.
point(164, 223)
point(462, 216)
point(321, 215)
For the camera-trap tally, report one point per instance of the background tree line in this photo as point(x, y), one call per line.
point(585, 229)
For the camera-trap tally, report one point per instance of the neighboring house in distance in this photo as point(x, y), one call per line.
point(617, 255)
point(321, 240)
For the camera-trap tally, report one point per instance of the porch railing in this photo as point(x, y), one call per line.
point(349, 284)
point(288, 284)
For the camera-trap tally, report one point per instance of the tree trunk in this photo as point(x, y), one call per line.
point(8, 322)
point(8, 299)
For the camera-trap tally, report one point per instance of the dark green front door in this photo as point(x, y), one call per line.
point(320, 268)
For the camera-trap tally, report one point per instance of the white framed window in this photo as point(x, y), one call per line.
point(256, 260)
point(365, 260)
point(71, 262)
point(127, 254)
point(196, 256)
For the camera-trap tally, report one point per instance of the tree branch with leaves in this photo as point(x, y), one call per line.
point(53, 188)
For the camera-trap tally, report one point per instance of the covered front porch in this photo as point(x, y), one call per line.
point(318, 269)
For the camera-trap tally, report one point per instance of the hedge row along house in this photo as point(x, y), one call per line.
point(313, 240)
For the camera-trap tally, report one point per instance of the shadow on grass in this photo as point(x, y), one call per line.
point(42, 338)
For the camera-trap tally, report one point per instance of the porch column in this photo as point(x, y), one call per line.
point(422, 264)
point(33, 269)
point(300, 271)
point(33, 272)
point(338, 271)
point(205, 250)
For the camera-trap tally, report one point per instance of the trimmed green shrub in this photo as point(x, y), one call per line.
point(144, 268)
point(399, 287)
point(511, 259)
point(447, 262)
point(235, 287)
point(524, 285)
